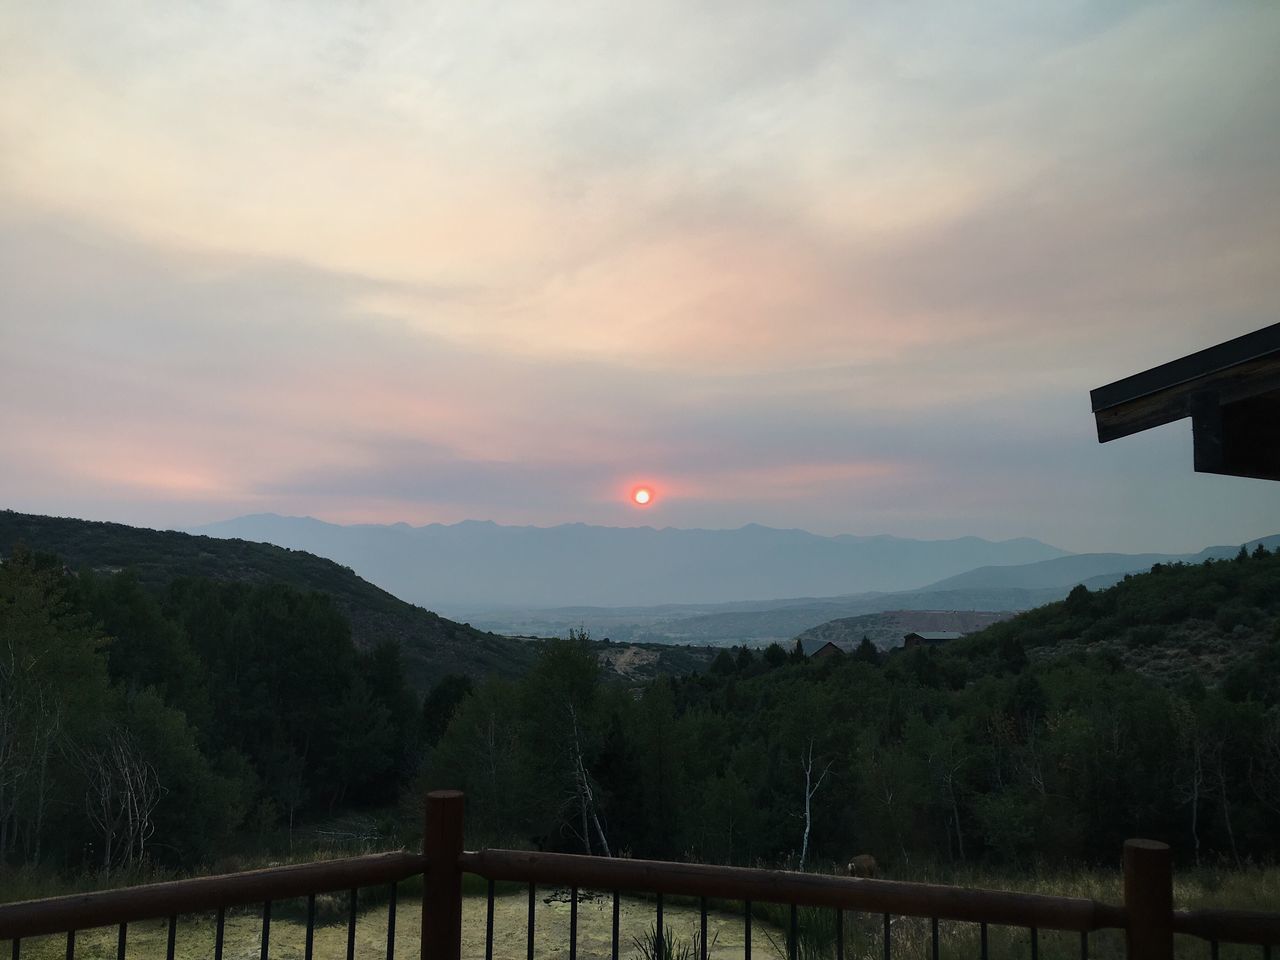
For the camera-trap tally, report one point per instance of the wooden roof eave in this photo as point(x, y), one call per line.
point(1237, 370)
point(1230, 391)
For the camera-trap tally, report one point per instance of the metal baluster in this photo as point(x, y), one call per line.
point(311, 927)
point(658, 951)
point(886, 937)
point(16, 948)
point(351, 927)
point(983, 928)
point(71, 945)
point(747, 911)
point(573, 923)
point(173, 937)
point(1213, 950)
point(614, 954)
point(391, 922)
point(217, 936)
point(121, 937)
point(1084, 945)
point(532, 896)
point(933, 933)
point(488, 924)
point(839, 934)
point(266, 929)
point(1266, 952)
point(792, 934)
point(702, 928)
point(1035, 944)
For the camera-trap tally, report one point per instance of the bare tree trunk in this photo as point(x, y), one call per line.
point(810, 788)
point(586, 796)
point(955, 813)
point(1226, 814)
point(42, 780)
point(1197, 778)
point(123, 793)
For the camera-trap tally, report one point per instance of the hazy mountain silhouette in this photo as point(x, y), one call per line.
point(480, 564)
point(1093, 569)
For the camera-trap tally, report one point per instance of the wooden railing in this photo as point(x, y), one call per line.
point(1146, 917)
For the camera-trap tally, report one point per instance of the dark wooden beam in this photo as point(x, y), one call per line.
point(1233, 371)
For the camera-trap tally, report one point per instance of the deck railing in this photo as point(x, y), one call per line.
point(1146, 916)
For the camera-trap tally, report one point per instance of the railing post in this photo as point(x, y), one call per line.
point(1148, 900)
point(442, 886)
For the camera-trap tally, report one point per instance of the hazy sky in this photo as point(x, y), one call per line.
point(849, 267)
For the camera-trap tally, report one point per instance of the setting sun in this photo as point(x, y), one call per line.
point(642, 496)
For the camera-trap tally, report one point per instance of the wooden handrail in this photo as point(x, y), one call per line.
point(803, 889)
point(1230, 926)
point(83, 911)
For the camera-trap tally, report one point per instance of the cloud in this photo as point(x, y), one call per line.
point(791, 263)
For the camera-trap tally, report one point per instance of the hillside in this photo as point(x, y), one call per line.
point(887, 629)
point(1101, 569)
point(478, 565)
point(432, 646)
point(1197, 624)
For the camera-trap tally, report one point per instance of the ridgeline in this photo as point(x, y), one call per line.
point(432, 647)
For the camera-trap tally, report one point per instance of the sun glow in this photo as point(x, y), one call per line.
point(642, 496)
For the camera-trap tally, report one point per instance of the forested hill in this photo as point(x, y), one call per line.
point(432, 646)
point(1032, 742)
point(1183, 624)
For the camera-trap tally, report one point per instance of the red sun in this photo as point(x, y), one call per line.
point(642, 496)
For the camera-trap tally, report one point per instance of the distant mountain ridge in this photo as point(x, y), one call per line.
point(1092, 569)
point(476, 564)
point(1006, 589)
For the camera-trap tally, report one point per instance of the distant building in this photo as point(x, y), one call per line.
point(930, 638)
point(816, 649)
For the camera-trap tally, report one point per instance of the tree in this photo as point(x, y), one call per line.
point(363, 741)
point(1191, 744)
point(866, 651)
point(53, 689)
point(811, 785)
point(483, 752)
point(440, 705)
point(723, 664)
point(123, 792)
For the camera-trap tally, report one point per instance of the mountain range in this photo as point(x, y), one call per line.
point(759, 622)
point(480, 565)
point(432, 646)
point(638, 584)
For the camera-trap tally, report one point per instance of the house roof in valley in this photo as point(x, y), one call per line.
point(935, 636)
point(811, 645)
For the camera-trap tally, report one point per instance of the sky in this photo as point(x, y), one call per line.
point(847, 267)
